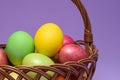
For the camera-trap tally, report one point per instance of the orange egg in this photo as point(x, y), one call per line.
point(60, 78)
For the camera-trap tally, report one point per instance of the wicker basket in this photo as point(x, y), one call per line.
point(80, 70)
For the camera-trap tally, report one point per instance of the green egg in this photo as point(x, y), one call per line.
point(37, 59)
point(18, 45)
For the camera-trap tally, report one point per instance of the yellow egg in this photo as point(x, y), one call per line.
point(14, 75)
point(48, 39)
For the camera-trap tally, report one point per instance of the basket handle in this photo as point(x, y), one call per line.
point(88, 36)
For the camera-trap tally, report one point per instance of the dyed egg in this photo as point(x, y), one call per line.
point(48, 39)
point(19, 44)
point(35, 59)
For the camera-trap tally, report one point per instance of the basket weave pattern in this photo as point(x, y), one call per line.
point(75, 70)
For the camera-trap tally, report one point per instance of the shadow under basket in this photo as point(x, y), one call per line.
point(75, 70)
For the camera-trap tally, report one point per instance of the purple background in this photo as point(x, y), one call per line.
point(104, 15)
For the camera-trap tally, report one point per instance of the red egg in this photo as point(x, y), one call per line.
point(67, 40)
point(71, 52)
point(3, 57)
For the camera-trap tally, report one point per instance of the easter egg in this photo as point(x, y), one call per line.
point(35, 59)
point(13, 75)
point(48, 39)
point(60, 78)
point(19, 44)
